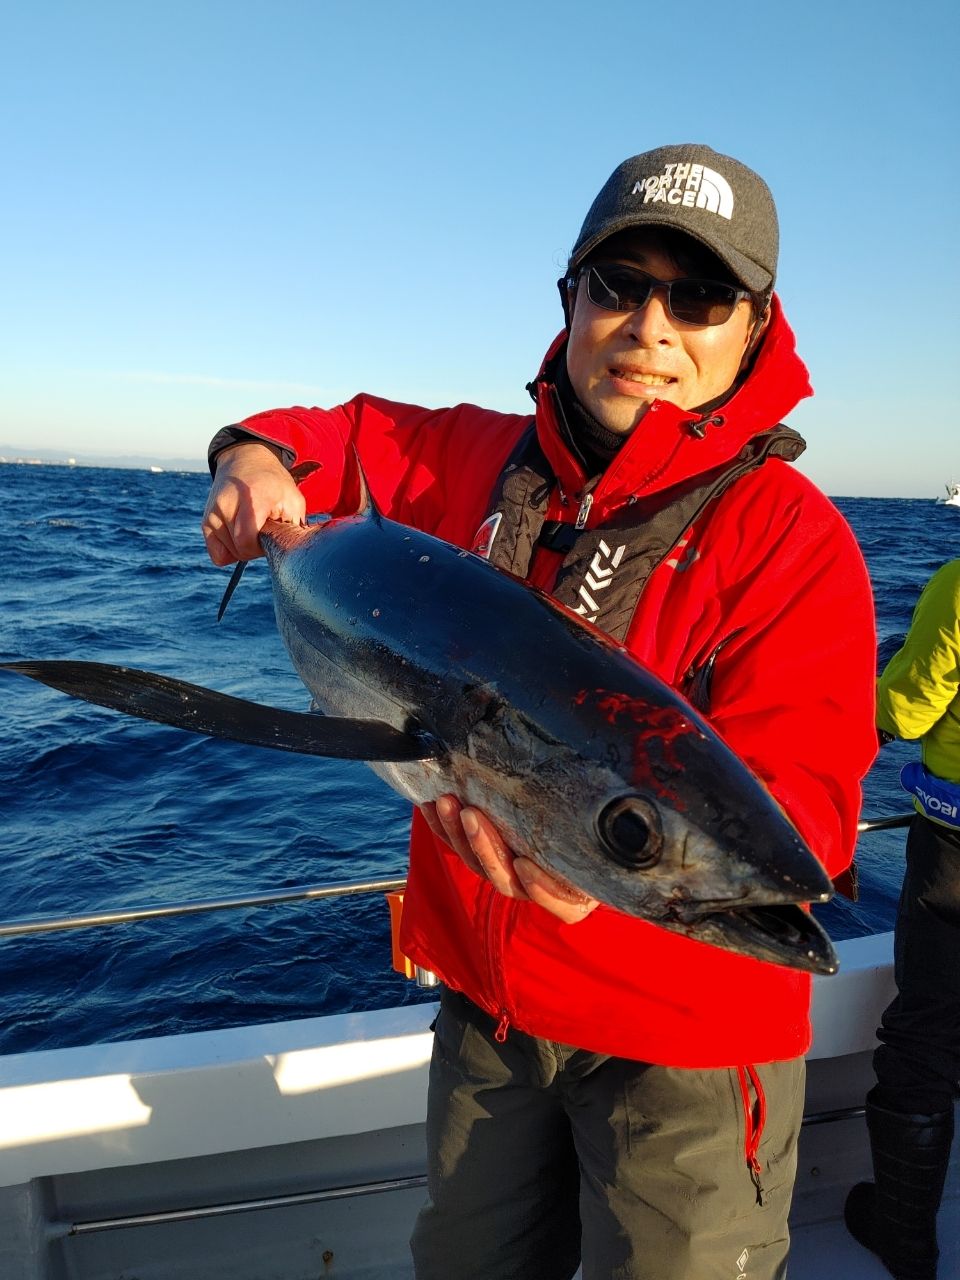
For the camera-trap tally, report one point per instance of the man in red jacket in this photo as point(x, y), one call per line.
point(601, 1088)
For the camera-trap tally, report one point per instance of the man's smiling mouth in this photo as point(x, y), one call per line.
point(644, 379)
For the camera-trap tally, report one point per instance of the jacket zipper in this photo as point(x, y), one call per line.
point(495, 926)
point(584, 513)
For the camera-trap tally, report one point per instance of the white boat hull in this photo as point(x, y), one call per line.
point(177, 1136)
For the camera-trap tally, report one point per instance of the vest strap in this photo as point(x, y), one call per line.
point(606, 567)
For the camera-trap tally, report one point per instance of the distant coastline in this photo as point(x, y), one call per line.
point(14, 455)
point(18, 455)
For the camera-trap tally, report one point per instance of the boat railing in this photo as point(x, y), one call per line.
point(415, 1182)
point(866, 825)
point(128, 915)
point(269, 898)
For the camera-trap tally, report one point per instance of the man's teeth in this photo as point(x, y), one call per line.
point(645, 379)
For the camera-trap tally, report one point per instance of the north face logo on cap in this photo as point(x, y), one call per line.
point(692, 185)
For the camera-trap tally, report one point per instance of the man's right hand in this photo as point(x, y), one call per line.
point(251, 486)
point(475, 839)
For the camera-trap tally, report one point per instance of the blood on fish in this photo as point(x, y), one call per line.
point(663, 725)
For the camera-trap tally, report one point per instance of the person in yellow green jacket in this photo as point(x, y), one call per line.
point(910, 1109)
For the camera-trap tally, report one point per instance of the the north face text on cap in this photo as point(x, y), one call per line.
point(692, 185)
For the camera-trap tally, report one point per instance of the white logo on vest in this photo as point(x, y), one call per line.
point(597, 577)
point(692, 185)
point(482, 544)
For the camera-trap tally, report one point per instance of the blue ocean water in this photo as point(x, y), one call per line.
point(100, 811)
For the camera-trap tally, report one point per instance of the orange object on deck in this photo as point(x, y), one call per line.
point(403, 964)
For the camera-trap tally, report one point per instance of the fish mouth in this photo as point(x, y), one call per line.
point(781, 933)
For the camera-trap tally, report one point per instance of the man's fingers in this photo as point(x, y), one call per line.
point(443, 819)
point(220, 551)
point(429, 812)
point(556, 896)
point(221, 547)
point(492, 852)
point(247, 524)
point(291, 507)
point(439, 830)
point(448, 810)
point(478, 842)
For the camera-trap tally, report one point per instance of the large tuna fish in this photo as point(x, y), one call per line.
point(448, 675)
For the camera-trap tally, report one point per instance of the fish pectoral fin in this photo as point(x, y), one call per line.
point(189, 706)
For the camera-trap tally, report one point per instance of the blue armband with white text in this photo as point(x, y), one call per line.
point(939, 799)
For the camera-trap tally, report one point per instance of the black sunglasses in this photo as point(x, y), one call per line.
point(618, 287)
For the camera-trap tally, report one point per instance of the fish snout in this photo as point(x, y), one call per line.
point(787, 870)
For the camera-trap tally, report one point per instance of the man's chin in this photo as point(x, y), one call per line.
point(622, 418)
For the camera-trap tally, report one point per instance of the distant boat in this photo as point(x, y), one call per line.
point(953, 495)
point(156, 470)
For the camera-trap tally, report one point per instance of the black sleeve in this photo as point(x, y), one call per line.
point(227, 436)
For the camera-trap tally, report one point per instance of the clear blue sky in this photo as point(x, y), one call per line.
point(220, 206)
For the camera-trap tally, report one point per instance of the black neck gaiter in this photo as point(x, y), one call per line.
point(594, 446)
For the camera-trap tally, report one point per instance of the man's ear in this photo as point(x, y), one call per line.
point(759, 329)
point(568, 294)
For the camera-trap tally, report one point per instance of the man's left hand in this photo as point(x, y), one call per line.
point(471, 834)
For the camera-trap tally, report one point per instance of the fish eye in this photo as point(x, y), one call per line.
point(629, 828)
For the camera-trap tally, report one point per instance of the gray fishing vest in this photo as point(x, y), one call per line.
point(605, 568)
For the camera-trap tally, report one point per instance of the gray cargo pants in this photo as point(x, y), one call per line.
point(541, 1154)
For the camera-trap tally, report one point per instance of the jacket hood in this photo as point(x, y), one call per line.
point(671, 444)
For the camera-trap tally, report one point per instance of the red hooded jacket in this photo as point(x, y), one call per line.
point(772, 568)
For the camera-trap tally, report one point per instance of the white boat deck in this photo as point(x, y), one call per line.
point(159, 1132)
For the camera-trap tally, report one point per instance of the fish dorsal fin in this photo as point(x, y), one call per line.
point(366, 506)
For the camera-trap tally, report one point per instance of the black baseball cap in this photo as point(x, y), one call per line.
point(694, 189)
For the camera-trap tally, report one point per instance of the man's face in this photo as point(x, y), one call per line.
point(620, 362)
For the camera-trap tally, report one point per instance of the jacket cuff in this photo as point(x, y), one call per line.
point(228, 436)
